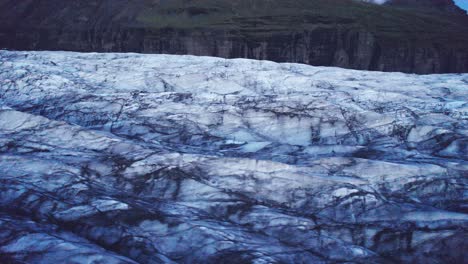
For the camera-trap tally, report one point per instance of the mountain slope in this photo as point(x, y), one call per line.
point(341, 33)
point(440, 5)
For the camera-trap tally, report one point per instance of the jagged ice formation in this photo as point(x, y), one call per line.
point(125, 158)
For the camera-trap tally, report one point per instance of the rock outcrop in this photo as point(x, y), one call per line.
point(407, 36)
point(124, 158)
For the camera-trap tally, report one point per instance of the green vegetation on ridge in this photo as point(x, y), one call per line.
point(270, 16)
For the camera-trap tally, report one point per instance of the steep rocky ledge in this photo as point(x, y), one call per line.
point(407, 36)
point(124, 158)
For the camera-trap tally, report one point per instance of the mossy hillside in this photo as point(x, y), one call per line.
point(258, 17)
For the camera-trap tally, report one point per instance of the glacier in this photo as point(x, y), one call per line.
point(130, 158)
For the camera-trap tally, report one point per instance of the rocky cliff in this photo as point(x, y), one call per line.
point(128, 158)
point(420, 36)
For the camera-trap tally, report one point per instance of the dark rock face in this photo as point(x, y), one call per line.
point(441, 5)
point(124, 158)
point(429, 39)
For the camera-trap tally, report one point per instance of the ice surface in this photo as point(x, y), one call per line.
point(123, 158)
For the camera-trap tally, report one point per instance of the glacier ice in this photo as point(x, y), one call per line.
point(124, 158)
